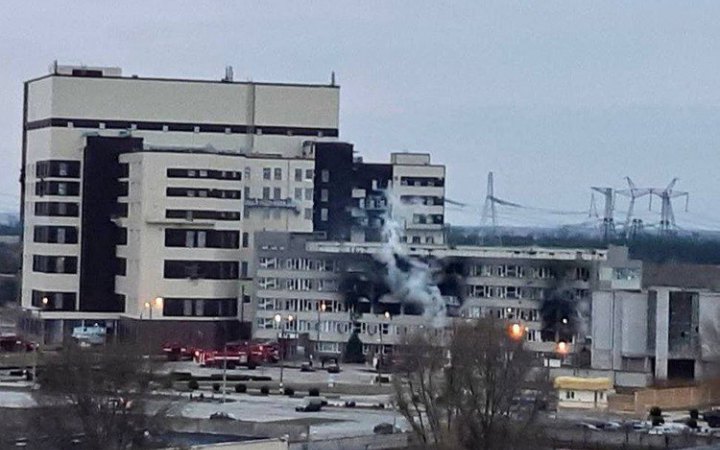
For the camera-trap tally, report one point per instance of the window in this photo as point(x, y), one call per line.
point(57, 169)
point(266, 193)
point(277, 193)
point(266, 173)
point(205, 307)
point(244, 269)
point(309, 174)
point(246, 191)
point(323, 195)
point(54, 264)
point(277, 173)
point(298, 194)
point(247, 173)
point(68, 188)
point(56, 209)
point(57, 301)
point(203, 173)
point(55, 234)
point(188, 214)
point(308, 194)
point(324, 214)
point(325, 176)
point(245, 240)
point(569, 395)
point(308, 214)
point(201, 238)
point(208, 270)
point(298, 174)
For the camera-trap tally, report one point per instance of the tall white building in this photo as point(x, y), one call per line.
point(141, 196)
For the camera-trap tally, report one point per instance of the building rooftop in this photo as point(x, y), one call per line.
point(695, 276)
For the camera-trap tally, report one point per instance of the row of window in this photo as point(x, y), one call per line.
point(200, 307)
point(68, 188)
point(516, 292)
point(183, 127)
point(56, 301)
point(422, 181)
point(54, 264)
point(428, 200)
point(55, 234)
point(57, 169)
point(436, 219)
point(298, 284)
point(204, 173)
point(207, 270)
point(525, 314)
point(204, 193)
point(300, 305)
point(202, 238)
point(305, 264)
point(192, 214)
point(331, 326)
point(516, 271)
point(57, 209)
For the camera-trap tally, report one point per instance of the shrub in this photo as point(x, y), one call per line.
point(216, 387)
point(289, 391)
point(314, 392)
point(166, 383)
point(193, 385)
point(264, 390)
point(656, 416)
point(240, 388)
point(692, 423)
point(655, 411)
point(354, 350)
point(694, 414)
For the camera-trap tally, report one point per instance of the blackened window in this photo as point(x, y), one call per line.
point(204, 173)
point(57, 169)
point(190, 214)
point(54, 264)
point(201, 238)
point(122, 236)
point(55, 234)
point(203, 307)
point(69, 188)
point(209, 270)
point(61, 209)
point(120, 266)
point(123, 189)
point(121, 209)
point(124, 170)
point(56, 301)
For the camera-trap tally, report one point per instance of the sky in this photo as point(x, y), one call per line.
point(553, 97)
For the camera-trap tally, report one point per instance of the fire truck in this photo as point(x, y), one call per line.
point(246, 354)
point(178, 352)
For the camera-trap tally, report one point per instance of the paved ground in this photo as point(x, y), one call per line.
point(351, 373)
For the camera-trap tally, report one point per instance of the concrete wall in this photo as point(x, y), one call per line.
point(263, 444)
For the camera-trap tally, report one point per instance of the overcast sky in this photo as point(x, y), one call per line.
point(552, 96)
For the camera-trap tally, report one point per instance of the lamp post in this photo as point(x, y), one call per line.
point(278, 321)
point(44, 302)
point(381, 359)
point(317, 340)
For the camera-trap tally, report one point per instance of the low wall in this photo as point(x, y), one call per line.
point(369, 442)
point(237, 427)
point(677, 398)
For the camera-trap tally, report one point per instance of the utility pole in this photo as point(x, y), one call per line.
point(608, 223)
point(224, 385)
point(633, 192)
point(489, 207)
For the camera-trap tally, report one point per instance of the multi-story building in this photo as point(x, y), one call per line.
point(141, 196)
point(332, 289)
point(657, 323)
point(356, 201)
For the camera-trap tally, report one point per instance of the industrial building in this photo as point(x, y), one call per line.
point(658, 325)
point(141, 197)
point(324, 291)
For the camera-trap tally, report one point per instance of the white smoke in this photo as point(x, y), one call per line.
point(413, 284)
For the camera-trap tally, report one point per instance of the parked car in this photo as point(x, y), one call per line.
point(222, 416)
point(385, 428)
point(333, 368)
point(311, 404)
point(712, 417)
point(670, 428)
point(306, 367)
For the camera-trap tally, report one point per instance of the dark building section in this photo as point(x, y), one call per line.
point(101, 188)
point(349, 196)
point(369, 211)
point(332, 196)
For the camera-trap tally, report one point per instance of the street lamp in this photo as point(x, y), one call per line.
point(278, 321)
point(317, 340)
point(381, 359)
point(43, 304)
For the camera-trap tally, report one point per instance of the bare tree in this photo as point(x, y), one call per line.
point(421, 388)
point(100, 395)
point(485, 396)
